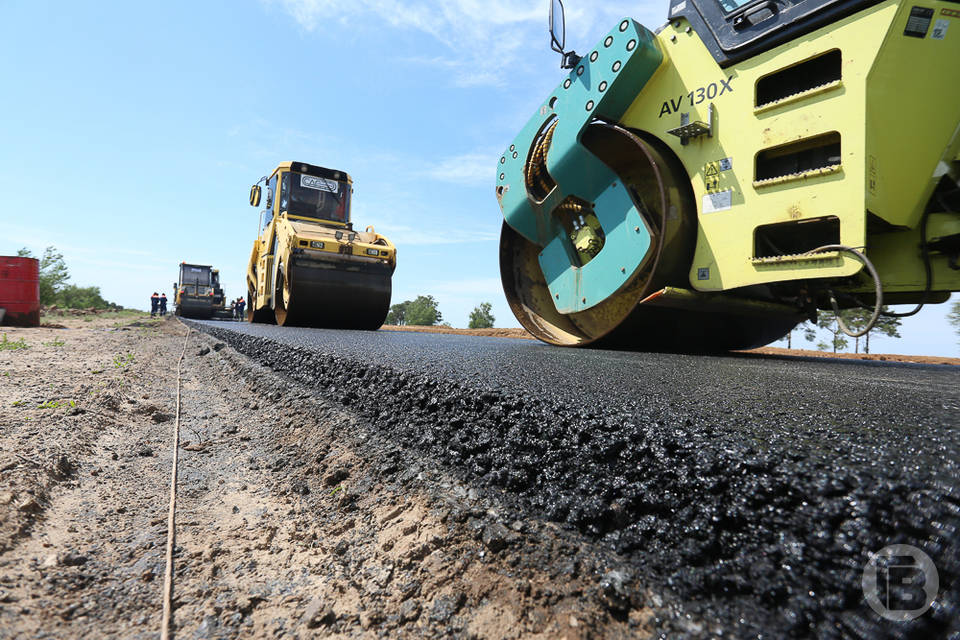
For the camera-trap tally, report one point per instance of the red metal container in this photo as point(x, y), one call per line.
point(20, 291)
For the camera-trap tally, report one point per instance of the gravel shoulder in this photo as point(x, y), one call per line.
point(295, 517)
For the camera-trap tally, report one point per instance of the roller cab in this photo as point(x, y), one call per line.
point(195, 291)
point(309, 266)
point(708, 186)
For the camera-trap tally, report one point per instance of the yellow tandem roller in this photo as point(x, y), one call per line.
point(309, 267)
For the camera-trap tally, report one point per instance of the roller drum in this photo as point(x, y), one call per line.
point(345, 294)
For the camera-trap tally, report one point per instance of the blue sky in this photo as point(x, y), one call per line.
point(132, 131)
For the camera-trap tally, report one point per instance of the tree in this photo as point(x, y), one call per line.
point(53, 283)
point(855, 320)
point(481, 317)
point(954, 316)
point(398, 314)
point(53, 273)
point(828, 320)
point(886, 325)
point(809, 332)
point(422, 312)
point(73, 297)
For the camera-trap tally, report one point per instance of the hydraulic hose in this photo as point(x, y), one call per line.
point(878, 305)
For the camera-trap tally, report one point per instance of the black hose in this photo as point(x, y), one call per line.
point(876, 283)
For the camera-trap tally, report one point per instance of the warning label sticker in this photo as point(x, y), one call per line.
point(919, 22)
point(939, 30)
point(720, 201)
point(712, 171)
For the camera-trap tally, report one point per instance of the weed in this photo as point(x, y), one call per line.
point(96, 371)
point(337, 490)
point(120, 361)
point(54, 343)
point(49, 404)
point(17, 403)
point(12, 345)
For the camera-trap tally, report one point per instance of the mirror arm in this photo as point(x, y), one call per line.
point(570, 59)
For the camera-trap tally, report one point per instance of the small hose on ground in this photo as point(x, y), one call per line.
point(171, 518)
point(878, 305)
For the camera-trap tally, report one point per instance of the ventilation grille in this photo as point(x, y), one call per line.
point(794, 238)
point(805, 158)
point(807, 78)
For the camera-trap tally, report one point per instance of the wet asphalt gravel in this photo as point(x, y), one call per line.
point(748, 490)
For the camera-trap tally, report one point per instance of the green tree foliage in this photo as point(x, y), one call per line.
point(481, 317)
point(954, 316)
point(856, 320)
point(54, 289)
point(422, 311)
point(73, 297)
point(398, 313)
point(827, 320)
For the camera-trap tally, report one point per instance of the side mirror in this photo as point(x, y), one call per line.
point(558, 27)
point(255, 196)
point(558, 35)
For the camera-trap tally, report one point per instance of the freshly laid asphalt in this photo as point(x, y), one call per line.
point(750, 490)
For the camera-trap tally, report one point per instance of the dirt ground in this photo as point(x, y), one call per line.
point(293, 520)
point(772, 351)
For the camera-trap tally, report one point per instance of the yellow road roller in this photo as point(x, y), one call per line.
point(708, 186)
point(309, 266)
point(194, 291)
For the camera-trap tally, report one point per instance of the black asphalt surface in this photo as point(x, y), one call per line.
point(748, 490)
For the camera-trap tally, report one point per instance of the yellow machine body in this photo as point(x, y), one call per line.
point(847, 134)
point(308, 265)
point(894, 109)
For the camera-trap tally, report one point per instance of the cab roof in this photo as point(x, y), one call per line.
point(313, 170)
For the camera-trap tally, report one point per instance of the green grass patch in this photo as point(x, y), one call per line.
point(122, 360)
point(12, 345)
point(56, 404)
point(54, 343)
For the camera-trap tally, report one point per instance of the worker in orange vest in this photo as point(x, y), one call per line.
point(154, 304)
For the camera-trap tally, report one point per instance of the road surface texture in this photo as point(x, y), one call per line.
point(746, 491)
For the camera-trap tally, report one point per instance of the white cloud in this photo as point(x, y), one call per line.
point(404, 236)
point(483, 39)
point(469, 169)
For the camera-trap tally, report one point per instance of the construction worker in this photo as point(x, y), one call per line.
point(154, 304)
point(163, 305)
point(239, 307)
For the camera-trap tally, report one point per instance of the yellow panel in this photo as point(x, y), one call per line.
point(913, 95)
point(722, 167)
